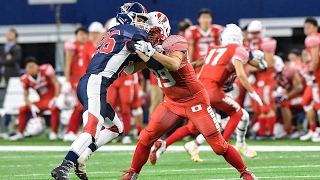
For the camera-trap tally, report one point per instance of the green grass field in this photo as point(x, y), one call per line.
point(173, 165)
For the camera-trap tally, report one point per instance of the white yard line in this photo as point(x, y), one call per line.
point(170, 148)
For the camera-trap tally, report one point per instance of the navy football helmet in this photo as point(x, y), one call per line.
point(128, 12)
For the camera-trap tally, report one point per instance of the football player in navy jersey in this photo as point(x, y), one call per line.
point(112, 57)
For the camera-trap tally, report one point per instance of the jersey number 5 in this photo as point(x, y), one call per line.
point(107, 43)
point(216, 53)
point(164, 74)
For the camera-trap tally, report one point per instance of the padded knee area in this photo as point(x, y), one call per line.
point(147, 138)
point(217, 143)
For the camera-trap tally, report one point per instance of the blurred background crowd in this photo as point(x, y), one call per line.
point(63, 55)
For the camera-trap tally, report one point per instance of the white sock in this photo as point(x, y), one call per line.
point(81, 143)
point(242, 127)
point(200, 139)
point(105, 136)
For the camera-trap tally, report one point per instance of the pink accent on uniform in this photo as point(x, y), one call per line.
point(175, 43)
point(268, 45)
point(241, 54)
point(49, 70)
point(69, 45)
point(312, 41)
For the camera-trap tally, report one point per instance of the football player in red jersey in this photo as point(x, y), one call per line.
point(185, 97)
point(201, 37)
point(312, 44)
point(264, 83)
point(223, 61)
point(288, 93)
point(44, 81)
point(307, 101)
point(85, 53)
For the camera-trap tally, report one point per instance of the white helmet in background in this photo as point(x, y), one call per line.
point(66, 99)
point(256, 30)
point(111, 23)
point(231, 34)
point(278, 63)
point(159, 27)
point(35, 126)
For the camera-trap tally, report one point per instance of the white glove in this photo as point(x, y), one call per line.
point(309, 79)
point(145, 47)
point(159, 49)
point(259, 57)
point(52, 102)
point(256, 97)
point(34, 110)
point(278, 92)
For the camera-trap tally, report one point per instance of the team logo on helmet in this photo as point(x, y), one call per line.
point(161, 18)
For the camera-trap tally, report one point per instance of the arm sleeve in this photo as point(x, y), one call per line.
point(269, 45)
point(140, 35)
point(69, 46)
point(154, 64)
point(130, 45)
point(312, 41)
point(49, 71)
point(240, 54)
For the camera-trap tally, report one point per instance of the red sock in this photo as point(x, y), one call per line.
point(234, 159)
point(262, 126)
point(75, 121)
point(271, 121)
point(177, 135)
point(140, 157)
point(287, 130)
point(126, 119)
point(232, 125)
point(313, 127)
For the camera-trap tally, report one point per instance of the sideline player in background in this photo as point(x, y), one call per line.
point(312, 44)
point(185, 97)
point(44, 81)
point(112, 57)
point(264, 83)
point(201, 37)
point(75, 68)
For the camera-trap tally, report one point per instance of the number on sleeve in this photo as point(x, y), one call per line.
point(107, 43)
point(216, 53)
point(164, 74)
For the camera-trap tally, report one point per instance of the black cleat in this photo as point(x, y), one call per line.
point(61, 172)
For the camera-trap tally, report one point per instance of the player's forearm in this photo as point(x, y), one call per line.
point(172, 63)
point(191, 52)
point(67, 69)
point(295, 91)
point(197, 63)
point(244, 81)
point(26, 98)
point(57, 89)
point(254, 66)
point(268, 56)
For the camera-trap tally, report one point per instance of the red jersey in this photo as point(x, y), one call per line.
point(88, 51)
point(181, 85)
point(219, 62)
point(265, 45)
point(78, 68)
point(203, 39)
point(284, 79)
point(42, 84)
point(312, 41)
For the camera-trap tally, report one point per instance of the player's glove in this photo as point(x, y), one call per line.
point(282, 98)
point(34, 110)
point(159, 49)
point(145, 47)
point(52, 102)
point(256, 97)
point(259, 57)
point(309, 79)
